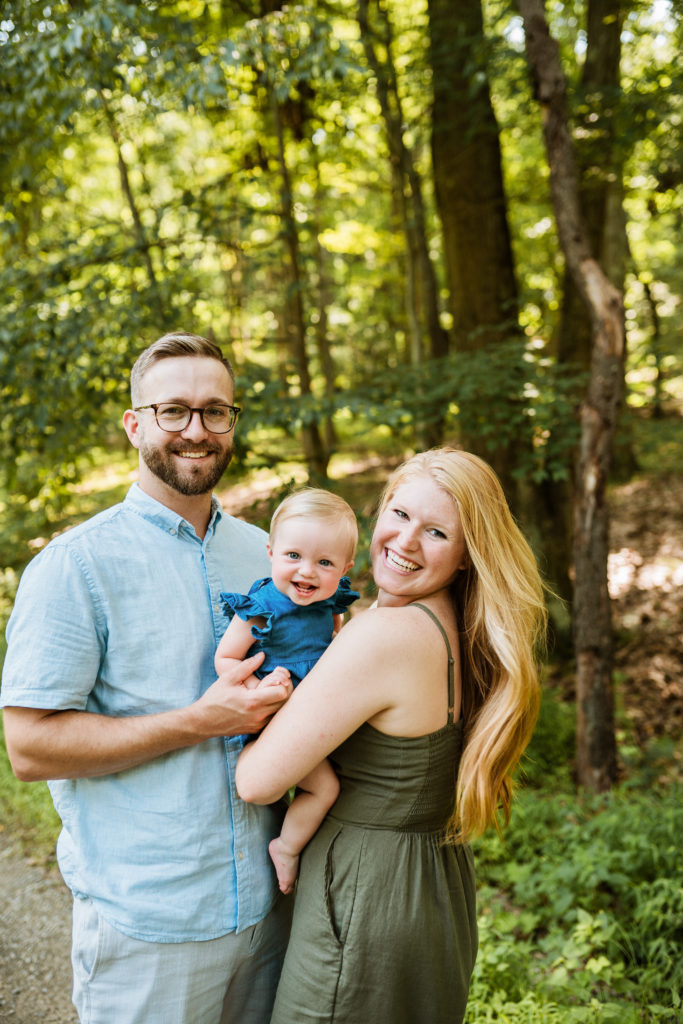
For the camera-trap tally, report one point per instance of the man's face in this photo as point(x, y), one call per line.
point(192, 461)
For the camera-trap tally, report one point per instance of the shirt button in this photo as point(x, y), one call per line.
point(240, 856)
point(172, 531)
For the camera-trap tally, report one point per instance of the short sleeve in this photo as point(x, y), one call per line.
point(55, 640)
point(344, 596)
point(253, 605)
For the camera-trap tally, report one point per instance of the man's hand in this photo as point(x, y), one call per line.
point(45, 744)
point(230, 707)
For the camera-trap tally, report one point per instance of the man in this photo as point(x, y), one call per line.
point(109, 691)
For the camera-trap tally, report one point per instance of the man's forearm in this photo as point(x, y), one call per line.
point(79, 744)
point(48, 744)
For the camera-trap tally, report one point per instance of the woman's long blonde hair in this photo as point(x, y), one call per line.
point(500, 610)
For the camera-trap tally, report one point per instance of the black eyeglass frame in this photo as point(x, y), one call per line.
point(154, 406)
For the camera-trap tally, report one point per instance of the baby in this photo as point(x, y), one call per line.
point(292, 616)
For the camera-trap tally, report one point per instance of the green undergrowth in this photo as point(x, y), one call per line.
point(581, 909)
point(26, 813)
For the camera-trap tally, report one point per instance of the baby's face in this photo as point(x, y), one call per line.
point(308, 559)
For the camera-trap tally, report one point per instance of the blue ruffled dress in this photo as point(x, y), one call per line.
point(294, 636)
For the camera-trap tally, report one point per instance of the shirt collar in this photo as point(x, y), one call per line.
point(162, 516)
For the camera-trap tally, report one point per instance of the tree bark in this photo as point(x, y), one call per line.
point(295, 328)
point(596, 743)
point(428, 338)
point(600, 173)
point(324, 291)
point(471, 200)
point(600, 196)
point(468, 178)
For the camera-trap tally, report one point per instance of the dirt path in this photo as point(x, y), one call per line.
point(35, 942)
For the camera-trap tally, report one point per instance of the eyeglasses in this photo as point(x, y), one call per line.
point(174, 416)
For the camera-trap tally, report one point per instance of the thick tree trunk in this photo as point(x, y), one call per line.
point(596, 744)
point(470, 198)
point(468, 178)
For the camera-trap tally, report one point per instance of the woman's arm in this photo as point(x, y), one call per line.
point(350, 684)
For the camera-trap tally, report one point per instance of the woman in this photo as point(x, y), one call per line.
point(424, 704)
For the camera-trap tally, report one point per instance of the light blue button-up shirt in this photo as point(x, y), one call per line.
point(121, 616)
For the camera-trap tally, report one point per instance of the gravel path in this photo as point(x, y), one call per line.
point(35, 942)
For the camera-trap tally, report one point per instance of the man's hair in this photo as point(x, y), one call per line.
point(315, 503)
point(176, 343)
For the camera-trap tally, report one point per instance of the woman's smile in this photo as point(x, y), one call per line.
point(418, 545)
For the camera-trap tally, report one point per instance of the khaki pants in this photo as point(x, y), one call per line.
point(229, 980)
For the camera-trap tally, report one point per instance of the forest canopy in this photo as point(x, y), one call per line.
point(266, 173)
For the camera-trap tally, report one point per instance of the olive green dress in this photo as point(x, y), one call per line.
point(384, 928)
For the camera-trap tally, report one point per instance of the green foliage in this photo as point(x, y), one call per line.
point(27, 811)
point(550, 754)
point(581, 910)
point(141, 191)
point(511, 394)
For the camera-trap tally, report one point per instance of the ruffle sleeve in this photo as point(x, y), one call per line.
point(344, 596)
point(249, 606)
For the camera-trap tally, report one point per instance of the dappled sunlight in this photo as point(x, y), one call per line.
point(240, 497)
point(645, 572)
point(627, 569)
point(105, 477)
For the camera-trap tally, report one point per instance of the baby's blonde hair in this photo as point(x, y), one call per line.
point(499, 605)
point(315, 503)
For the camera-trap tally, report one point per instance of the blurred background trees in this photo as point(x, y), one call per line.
point(353, 197)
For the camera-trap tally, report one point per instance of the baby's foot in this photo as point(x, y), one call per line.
point(286, 865)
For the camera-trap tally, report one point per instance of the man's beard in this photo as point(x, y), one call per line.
point(196, 479)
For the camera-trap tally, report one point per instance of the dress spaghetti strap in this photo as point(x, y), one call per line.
point(451, 663)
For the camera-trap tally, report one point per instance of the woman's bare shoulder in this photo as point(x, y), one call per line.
point(402, 626)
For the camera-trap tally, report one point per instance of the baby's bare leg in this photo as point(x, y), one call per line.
point(314, 797)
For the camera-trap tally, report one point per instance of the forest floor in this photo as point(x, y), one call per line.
point(646, 586)
point(646, 583)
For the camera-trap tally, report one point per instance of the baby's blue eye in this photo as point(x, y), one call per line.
point(293, 555)
point(325, 562)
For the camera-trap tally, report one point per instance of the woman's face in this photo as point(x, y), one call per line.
point(418, 544)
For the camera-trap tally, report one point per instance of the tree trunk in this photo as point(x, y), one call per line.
point(468, 178)
point(428, 339)
point(596, 743)
point(325, 298)
point(470, 194)
point(144, 246)
point(600, 195)
point(599, 172)
point(295, 328)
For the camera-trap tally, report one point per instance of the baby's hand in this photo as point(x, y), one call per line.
point(278, 675)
